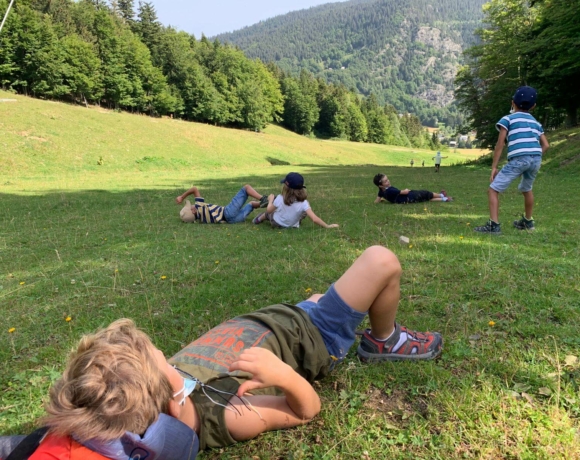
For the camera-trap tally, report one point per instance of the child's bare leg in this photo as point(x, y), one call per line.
point(255, 204)
point(493, 204)
point(529, 204)
point(252, 192)
point(371, 285)
point(184, 195)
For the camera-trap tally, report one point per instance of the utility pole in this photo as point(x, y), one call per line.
point(6, 15)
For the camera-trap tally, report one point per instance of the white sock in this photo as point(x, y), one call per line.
point(444, 198)
point(384, 340)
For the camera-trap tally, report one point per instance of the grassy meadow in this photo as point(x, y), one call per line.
point(82, 244)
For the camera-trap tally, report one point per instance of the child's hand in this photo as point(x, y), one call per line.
point(271, 197)
point(266, 368)
point(494, 172)
point(179, 199)
point(333, 226)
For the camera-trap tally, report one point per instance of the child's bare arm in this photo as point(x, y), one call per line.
point(318, 221)
point(404, 192)
point(271, 208)
point(544, 143)
point(497, 152)
point(192, 191)
point(378, 199)
point(299, 405)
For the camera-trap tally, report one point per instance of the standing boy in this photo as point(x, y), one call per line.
point(526, 144)
point(437, 159)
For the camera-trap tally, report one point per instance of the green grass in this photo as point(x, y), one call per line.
point(93, 243)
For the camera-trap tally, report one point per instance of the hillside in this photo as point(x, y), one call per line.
point(62, 142)
point(405, 52)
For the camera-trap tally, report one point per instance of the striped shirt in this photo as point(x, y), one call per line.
point(523, 134)
point(208, 213)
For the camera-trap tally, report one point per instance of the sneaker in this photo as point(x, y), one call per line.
point(258, 219)
point(489, 227)
point(402, 345)
point(263, 201)
point(524, 224)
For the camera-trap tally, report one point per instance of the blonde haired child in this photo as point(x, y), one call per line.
point(290, 207)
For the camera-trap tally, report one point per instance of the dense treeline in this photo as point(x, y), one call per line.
point(93, 52)
point(89, 51)
point(535, 43)
point(331, 110)
point(403, 51)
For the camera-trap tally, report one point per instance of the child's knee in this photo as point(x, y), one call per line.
point(382, 259)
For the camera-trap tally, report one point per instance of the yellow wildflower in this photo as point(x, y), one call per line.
point(491, 323)
point(308, 290)
point(22, 283)
point(461, 237)
point(11, 330)
point(68, 319)
point(164, 277)
point(467, 224)
point(217, 262)
point(410, 246)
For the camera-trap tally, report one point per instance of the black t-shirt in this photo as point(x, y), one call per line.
point(393, 195)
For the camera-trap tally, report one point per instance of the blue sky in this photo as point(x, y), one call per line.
point(214, 17)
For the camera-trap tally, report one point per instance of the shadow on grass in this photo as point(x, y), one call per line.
point(97, 255)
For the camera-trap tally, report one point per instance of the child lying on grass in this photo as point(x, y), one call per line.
point(289, 208)
point(119, 396)
point(394, 195)
point(236, 211)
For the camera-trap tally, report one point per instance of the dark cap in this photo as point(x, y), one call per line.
point(525, 97)
point(294, 181)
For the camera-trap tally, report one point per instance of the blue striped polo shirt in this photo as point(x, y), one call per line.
point(523, 134)
point(208, 213)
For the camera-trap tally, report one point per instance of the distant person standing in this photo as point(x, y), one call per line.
point(423, 163)
point(437, 159)
point(526, 144)
point(412, 162)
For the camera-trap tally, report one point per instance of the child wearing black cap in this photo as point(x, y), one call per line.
point(289, 208)
point(526, 143)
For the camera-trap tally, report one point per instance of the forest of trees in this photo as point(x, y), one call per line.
point(535, 43)
point(107, 53)
point(373, 46)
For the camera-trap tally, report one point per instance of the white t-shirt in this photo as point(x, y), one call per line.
point(289, 216)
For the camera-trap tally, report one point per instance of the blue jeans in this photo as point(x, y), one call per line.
point(336, 320)
point(526, 166)
point(236, 212)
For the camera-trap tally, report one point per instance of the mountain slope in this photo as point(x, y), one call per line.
point(404, 51)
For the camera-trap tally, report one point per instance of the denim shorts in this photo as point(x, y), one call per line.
point(236, 212)
point(526, 166)
point(336, 321)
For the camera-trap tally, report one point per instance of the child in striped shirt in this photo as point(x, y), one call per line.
point(526, 144)
point(206, 213)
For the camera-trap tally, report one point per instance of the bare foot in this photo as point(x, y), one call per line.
point(179, 199)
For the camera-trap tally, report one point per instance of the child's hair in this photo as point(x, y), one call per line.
point(378, 178)
point(112, 384)
point(292, 195)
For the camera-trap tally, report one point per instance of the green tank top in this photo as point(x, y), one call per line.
point(285, 330)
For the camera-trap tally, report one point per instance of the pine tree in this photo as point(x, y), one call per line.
point(126, 10)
